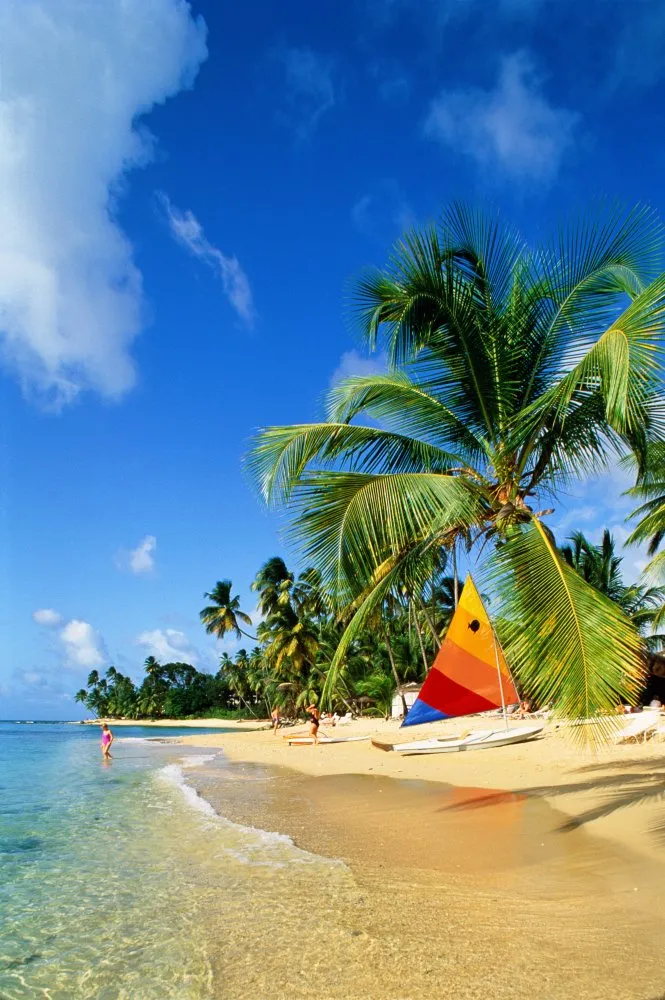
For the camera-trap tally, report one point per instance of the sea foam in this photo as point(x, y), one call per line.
point(248, 844)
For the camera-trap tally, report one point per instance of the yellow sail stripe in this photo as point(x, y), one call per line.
point(471, 630)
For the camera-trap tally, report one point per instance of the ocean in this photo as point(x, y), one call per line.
point(117, 880)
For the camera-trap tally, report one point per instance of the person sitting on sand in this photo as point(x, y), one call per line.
point(274, 715)
point(107, 740)
point(524, 710)
point(314, 719)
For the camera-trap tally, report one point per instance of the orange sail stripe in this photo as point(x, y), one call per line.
point(469, 671)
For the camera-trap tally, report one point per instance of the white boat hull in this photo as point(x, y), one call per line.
point(483, 739)
point(304, 741)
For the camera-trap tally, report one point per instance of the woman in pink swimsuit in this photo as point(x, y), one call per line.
point(107, 740)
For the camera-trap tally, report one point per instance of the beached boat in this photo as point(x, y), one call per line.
point(474, 741)
point(470, 675)
point(304, 741)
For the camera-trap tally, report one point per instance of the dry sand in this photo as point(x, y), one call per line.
point(243, 725)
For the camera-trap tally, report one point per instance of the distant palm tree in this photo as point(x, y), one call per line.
point(601, 567)
point(597, 564)
point(512, 371)
point(222, 617)
point(81, 696)
point(650, 488)
point(273, 584)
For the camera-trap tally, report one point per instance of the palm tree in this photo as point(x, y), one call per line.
point(601, 567)
point(81, 696)
point(224, 614)
point(650, 488)
point(272, 583)
point(512, 371)
point(598, 564)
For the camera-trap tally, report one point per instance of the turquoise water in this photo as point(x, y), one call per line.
point(116, 879)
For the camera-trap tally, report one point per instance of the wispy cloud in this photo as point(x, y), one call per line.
point(354, 363)
point(46, 617)
point(512, 127)
point(76, 80)
point(142, 558)
point(309, 88)
point(188, 232)
point(168, 645)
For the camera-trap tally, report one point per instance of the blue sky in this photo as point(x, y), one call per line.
point(185, 192)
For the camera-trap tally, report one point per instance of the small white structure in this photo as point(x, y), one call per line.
point(410, 692)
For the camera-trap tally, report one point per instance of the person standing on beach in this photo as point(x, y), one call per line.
point(314, 719)
point(107, 740)
point(274, 715)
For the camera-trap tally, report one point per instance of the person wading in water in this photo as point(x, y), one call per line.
point(107, 740)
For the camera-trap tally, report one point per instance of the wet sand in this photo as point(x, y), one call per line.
point(457, 892)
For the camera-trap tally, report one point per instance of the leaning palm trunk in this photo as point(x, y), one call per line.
point(416, 624)
point(430, 625)
point(511, 372)
point(386, 634)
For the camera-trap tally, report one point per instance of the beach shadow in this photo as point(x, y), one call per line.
point(631, 787)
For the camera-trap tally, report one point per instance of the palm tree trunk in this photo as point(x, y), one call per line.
point(420, 639)
point(431, 625)
point(405, 707)
point(455, 578)
point(247, 706)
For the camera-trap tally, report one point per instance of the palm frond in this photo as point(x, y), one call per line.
point(408, 407)
point(569, 645)
point(281, 455)
point(348, 524)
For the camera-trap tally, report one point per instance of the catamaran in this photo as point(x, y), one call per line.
point(469, 675)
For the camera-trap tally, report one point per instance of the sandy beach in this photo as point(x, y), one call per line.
point(599, 789)
point(241, 724)
point(469, 886)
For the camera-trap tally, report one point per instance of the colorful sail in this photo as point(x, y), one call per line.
point(464, 678)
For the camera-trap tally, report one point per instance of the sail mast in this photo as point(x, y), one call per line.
point(498, 670)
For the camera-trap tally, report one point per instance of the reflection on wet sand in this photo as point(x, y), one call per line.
point(456, 892)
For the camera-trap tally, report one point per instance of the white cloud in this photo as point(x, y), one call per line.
point(142, 559)
point(168, 645)
point(188, 231)
point(512, 126)
point(76, 80)
point(46, 617)
point(83, 645)
point(354, 363)
point(310, 88)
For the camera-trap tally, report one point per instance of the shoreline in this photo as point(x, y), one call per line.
point(245, 725)
point(602, 791)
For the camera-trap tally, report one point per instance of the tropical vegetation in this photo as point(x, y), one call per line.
point(511, 372)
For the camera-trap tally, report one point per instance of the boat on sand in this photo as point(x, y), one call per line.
point(304, 741)
point(483, 738)
point(469, 676)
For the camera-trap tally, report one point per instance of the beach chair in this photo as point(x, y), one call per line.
point(345, 719)
point(640, 726)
